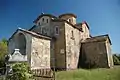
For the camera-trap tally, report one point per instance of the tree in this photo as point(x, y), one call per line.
point(3, 49)
point(118, 56)
point(116, 59)
point(21, 71)
point(3, 52)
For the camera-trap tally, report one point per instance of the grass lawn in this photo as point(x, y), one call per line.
point(93, 74)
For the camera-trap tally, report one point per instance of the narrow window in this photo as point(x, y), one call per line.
point(57, 30)
point(39, 24)
point(43, 19)
point(72, 35)
point(70, 20)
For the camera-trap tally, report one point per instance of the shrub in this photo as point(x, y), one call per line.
point(20, 72)
point(116, 60)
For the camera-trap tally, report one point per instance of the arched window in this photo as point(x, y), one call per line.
point(56, 30)
point(70, 20)
point(72, 35)
point(42, 19)
point(47, 20)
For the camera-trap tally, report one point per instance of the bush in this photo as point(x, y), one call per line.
point(116, 60)
point(20, 72)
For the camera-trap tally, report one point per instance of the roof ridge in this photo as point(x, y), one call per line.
point(30, 32)
point(33, 33)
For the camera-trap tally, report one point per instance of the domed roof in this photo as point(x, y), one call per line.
point(66, 14)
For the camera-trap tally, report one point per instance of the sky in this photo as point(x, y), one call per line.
point(103, 16)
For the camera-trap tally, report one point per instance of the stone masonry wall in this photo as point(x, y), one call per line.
point(72, 37)
point(94, 54)
point(109, 54)
point(68, 18)
point(43, 27)
point(14, 44)
point(59, 45)
point(85, 34)
point(40, 53)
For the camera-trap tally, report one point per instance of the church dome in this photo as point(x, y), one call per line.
point(69, 17)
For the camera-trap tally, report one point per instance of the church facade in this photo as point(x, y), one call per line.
point(61, 43)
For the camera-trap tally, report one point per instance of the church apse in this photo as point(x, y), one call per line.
point(18, 42)
point(22, 43)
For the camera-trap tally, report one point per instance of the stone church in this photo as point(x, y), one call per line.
point(61, 43)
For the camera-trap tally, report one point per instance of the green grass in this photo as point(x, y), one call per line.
point(93, 74)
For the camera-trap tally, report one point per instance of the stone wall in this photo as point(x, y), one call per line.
point(85, 34)
point(43, 27)
point(93, 54)
point(40, 53)
point(14, 43)
point(70, 19)
point(72, 37)
point(59, 45)
point(43, 22)
point(109, 54)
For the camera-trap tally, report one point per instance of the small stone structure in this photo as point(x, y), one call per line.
point(96, 51)
point(61, 43)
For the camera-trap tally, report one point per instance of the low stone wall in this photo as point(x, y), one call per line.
point(43, 74)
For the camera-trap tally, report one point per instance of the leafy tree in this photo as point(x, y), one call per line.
point(3, 49)
point(20, 72)
point(3, 52)
point(118, 56)
point(116, 60)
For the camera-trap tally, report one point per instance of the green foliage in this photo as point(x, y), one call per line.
point(93, 74)
point(3, 49)
point(118, 56)
point(20, 72)
point(3, 52)
point(116, 59)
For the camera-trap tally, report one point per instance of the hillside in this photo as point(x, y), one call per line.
point(93, 74)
